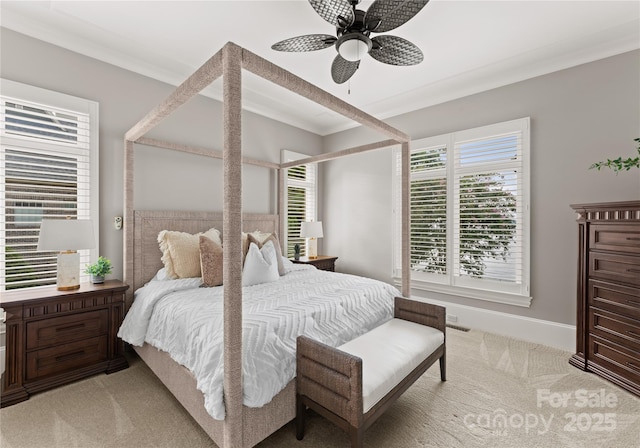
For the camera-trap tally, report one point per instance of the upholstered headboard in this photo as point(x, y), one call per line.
point(147, 225)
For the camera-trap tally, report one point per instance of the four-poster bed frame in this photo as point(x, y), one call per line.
point(243, 426)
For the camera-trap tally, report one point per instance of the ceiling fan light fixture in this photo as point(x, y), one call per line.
point(353, 46)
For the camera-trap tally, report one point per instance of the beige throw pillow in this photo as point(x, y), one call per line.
point(210, 262)
point(181, 252)
point(261, 238)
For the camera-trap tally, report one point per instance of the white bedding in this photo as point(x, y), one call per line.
point(184, 320)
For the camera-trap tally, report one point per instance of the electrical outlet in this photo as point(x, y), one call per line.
point(452, 318)
point(117, 222)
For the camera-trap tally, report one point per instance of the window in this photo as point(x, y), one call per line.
point(301, 200)
point(469, 200)
point(48, 168)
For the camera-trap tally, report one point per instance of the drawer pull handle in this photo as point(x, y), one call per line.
point(633, 333)
point(69, 356)
point(635, 271)
point(633, 302)
point(69, 328)
point(633, 238)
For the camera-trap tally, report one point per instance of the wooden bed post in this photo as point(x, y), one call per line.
point(406, 221)
point(282, 208)
point(232, 248)
point(127, 239)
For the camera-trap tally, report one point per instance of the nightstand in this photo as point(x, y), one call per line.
point(56, 337)
point(322, 262)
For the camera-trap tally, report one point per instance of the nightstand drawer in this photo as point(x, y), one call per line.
point(617, 268)
point(68, 357)
point(60, 330)
point(325, 265)
point(322, 262)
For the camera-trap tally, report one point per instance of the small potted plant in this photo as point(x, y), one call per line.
point(99, 269)
point(296, 251)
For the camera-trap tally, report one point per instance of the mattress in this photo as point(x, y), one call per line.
point(186, 321)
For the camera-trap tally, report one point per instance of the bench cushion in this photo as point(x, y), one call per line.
point(389, 353)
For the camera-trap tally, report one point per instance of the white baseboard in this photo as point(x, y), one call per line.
point(544, 332)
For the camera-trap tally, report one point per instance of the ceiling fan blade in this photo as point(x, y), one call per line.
point(395, 51)
point(309, 42)
point(390, 14)
point(330, 10)
point(342, 70)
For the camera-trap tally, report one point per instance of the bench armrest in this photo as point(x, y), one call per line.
point(421, 313)
point(330, 377)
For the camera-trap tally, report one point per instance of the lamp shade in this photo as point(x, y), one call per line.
point(311, 229)
point(66, 234)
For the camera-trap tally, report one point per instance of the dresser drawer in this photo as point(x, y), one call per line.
point(67, 357)
point(616, 359)
point(60, 330)
point(619, 299)
point(617, 238)
point(614, 267)
point(615, 328)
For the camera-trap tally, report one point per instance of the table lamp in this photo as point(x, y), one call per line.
point(67, 236)
point(313, 231)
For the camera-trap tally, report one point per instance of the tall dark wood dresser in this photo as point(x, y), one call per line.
point(608, 321)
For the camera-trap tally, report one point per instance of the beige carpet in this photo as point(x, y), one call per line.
point(490, 400)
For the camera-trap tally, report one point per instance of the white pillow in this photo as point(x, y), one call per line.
point(161, 275)
point(261, 265)
point(288, 264)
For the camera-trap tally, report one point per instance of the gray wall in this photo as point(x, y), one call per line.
point(578, 116)
point(124, 98)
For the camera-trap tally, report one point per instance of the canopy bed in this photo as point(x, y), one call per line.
point(243, 426)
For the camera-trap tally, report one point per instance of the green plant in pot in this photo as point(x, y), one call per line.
point(99, 269)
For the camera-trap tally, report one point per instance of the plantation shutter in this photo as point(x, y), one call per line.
point(301, 200)
point(428, 201)
point(488, 208)
point(44, 172)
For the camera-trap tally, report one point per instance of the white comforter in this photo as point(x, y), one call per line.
point(186, 321)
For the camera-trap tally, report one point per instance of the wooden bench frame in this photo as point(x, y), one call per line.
point(329, 381)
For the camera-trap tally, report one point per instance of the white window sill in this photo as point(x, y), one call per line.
point(469, 293)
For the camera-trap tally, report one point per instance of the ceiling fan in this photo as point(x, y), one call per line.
point(353, 28)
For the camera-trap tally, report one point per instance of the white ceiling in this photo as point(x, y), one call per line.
point(469, 46)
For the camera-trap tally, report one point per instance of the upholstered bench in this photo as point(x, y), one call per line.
point(352, 385)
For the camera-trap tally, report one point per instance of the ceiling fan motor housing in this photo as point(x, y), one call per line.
point(356, 26)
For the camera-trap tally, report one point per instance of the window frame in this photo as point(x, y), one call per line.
point(19, 92)
point(483, 289)
point(310, 187)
